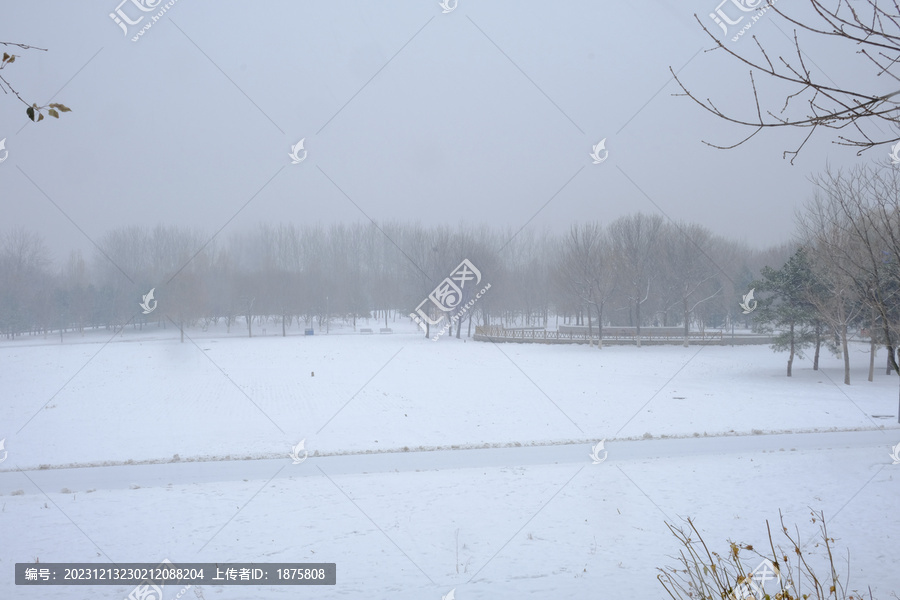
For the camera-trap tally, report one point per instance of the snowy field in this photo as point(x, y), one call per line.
point(505, 502)
point(149, 397)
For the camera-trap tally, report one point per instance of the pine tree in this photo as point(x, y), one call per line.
point(785, 306)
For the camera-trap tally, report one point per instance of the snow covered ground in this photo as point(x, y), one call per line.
point(150, 397)
point(519, 510)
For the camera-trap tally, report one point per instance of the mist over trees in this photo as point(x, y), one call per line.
point(838, 280)
point(839, 277)
point(639, 270)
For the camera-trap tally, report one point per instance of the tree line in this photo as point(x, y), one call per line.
point(843, 278)
point(639, 270)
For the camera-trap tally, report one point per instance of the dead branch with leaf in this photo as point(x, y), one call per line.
point(34, 112)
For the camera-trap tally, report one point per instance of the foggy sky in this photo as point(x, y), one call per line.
point(485, 114)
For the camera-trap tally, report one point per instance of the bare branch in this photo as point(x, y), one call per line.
point(828, 105)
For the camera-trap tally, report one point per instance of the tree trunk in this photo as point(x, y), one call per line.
point(590, 328)
point(818, 346)
point(846, 350)
point(637, 314)
point(791, 357)
point(686, 322)
point(600, 326)
point(872, 358)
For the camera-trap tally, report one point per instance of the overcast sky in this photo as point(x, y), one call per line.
point(484, 114)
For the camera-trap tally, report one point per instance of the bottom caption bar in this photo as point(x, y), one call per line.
point(167, 573)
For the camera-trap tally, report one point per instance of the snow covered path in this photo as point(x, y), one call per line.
point(530, 522)
point(159, 475)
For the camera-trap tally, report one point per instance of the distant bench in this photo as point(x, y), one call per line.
point(308, 332)
point(366, 330)
point(386, 330)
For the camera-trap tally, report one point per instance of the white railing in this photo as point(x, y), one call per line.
point(499, 333)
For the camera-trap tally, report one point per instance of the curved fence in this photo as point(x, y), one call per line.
point(611, 335)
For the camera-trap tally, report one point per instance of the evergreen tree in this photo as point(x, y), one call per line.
point(785, 308)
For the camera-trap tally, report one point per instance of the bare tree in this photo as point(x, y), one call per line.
point(585, 270)
point(808, 99)
point(686, 260)
point(23, 258)
point(833, 292)
point(865, 204)
point(635, 245)
point(75, 281)
point(575, 268)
